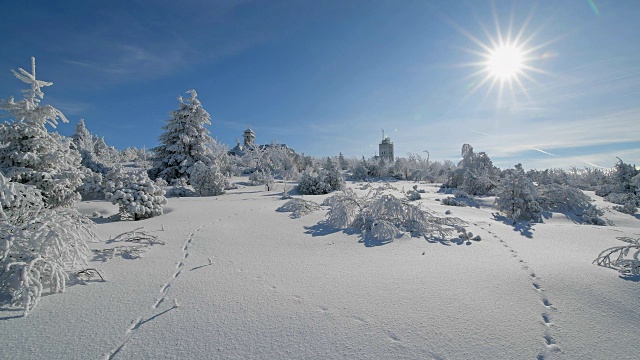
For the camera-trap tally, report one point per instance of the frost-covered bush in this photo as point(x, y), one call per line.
point(628, 208)
point(556, 197)
point(453, 202)
point(207, 180)
point(360, 171)
point(313, 184)
point(475, 173)
point(625, 259)
point(180, 191)
point(591, 216)
point(333, 176)
point(621, 198)
point(256, 178)
point(38, 245)
point(413, 195)
point(384, 217)
point(92, 188)
point(299, 207)
point(30, 154)
point(516, 196)
point(323, 181)
point(161, 182)
point(460, 194)
point(137, 196)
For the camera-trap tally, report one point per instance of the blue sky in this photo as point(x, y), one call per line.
point(325, 77)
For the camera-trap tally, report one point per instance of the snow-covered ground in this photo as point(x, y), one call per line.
point(238, 280)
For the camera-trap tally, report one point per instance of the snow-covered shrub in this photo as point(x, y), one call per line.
point(516, 196)
point(161, 182)
point(313, 184)
point(92, 188)
point(628, 208)
point(625, 259)
point(322, 181)
point(468, 236)
point(384, 217)
point(299, 207)
point(562, 197)
point(256, 178)
point(180, 191)
point(360, 171)
point(333, 176)
point(30, 154)
point(207, 180)
point(620, 198)
point(460, 194)
point(137, 196)
point(413, 195)
point(269, 181)
point(453, 202)
point(38, 245)
point(591, 216)
point(184, 141)
point(475, 173)
point(179, 182)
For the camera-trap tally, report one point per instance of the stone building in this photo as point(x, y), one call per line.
point(385, 149)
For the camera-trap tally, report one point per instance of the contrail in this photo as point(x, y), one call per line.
point(542, 151)
point(479, 132)
point(591, 164)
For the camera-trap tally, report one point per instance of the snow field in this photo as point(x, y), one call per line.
point(238, 280)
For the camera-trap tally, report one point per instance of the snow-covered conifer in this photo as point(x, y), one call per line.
point(516, 196)
point(136, 194)
point(184, 141)
point(32, 155)
point(343, 164)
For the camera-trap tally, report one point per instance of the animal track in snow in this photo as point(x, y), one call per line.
point(165, 287)
point(392, 336)
point(537, 286)
point(551, 345)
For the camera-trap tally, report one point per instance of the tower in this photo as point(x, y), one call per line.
point(249, 136)
point(385, 148)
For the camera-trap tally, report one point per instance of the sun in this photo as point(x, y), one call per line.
point(505, 62)
point(506, 58)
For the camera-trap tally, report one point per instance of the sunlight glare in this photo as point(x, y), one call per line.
point(505, 62)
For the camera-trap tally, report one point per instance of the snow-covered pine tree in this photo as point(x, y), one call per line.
point(137, 196)
point(184, 141)
point(85, 143)
point(333, 176)
point(516, 196)
point(30, 154)
point(342, 162)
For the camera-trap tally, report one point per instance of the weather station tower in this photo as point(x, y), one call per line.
point(385, 148)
